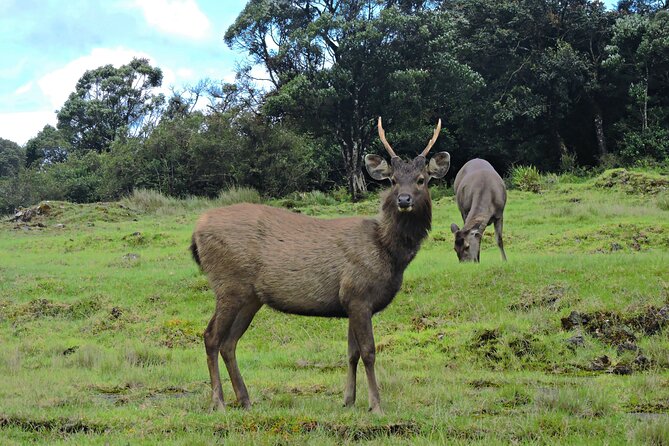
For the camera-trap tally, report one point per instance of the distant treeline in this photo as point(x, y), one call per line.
point(561, 85)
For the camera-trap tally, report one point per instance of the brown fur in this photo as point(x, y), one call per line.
point(481, 197)
point(258, 255)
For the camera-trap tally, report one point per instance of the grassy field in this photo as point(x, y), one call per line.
point(566, 343)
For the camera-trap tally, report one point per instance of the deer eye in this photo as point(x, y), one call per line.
point(392, 181)
point(420, 181)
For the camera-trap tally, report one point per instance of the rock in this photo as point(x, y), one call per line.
point(573, 320)
point(576, 341)
point(59, 226)
point(601, 363)
point(627, 346)
point(24, 215)
point(641, 362)
point(622, 369)
point(70, 350)
point(44, 208)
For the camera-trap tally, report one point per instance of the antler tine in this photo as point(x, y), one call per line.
point(433, 140)
point(382, 135)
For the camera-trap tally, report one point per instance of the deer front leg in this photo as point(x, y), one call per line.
point(353, 358)
point(361, 323)
point(499, 223)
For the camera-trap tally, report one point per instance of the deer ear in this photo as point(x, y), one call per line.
point(454, 228)
point(377, 167)
point(439, 165)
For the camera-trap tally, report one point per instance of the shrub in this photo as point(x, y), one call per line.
point(526, 178)
point(568, 162)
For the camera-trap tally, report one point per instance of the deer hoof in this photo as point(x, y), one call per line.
point(217, 406)
point(376, 410)
point(246, 404)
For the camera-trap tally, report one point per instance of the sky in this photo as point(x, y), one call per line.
point(47, 45)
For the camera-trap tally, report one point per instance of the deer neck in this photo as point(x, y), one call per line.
point(401, 233)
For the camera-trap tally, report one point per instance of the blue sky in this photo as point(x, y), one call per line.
point(48, 44)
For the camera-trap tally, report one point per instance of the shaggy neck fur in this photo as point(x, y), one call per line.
point(401, 233)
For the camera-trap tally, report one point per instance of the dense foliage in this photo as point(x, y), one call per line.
point(557, 84)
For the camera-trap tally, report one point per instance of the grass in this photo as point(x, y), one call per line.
point(101, 322)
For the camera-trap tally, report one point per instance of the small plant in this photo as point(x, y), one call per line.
point(526, 178)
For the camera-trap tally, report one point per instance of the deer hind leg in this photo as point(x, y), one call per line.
point(353, 358)
point(498, 236)
point(361, 322)
point(218, 328)
point(229, 346)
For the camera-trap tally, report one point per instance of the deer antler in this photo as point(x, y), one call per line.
point(382, 135)
point(433, 140)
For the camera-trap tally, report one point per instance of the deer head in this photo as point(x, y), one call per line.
point(409, 179)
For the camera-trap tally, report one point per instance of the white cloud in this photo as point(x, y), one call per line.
point(25, 88)
point(185, 73)
point(57, 85)
point(178, 17)
point(20, 127)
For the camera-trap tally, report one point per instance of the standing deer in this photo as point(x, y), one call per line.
point(345, 267)
point(481, 197)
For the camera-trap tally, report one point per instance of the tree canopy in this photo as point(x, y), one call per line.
point(109, 102)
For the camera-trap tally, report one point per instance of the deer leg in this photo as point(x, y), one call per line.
point(353, 358)
point(218, 326)
point(498, 236)
point(361, 321)
point(229, 346)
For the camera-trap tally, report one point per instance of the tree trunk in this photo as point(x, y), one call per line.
point(352, 152)
point(598, 119)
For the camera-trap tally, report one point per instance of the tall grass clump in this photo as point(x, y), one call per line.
point(654, 432)
point(236, 194)
point(148, 200)
point(526, 178)
point(154, 202)
point(663, 201)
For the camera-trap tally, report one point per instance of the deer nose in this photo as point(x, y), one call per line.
point(404, 201)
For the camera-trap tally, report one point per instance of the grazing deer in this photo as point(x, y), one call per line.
point(481, 197)
point(345, 267)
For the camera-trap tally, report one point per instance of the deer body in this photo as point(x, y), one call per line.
point(257, 255)
point(298, 264)
point(481, 197)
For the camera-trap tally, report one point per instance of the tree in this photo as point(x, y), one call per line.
point(12, 158)
point(48, 147)
point(109, 102)
point(639, 57)
point(335, 65)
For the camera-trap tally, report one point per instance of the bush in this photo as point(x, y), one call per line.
point(526, 178)
point(651, 143)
